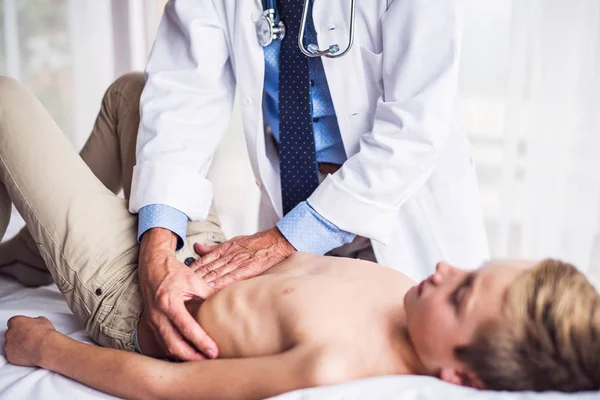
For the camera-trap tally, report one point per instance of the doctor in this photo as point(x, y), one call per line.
point(357, 155)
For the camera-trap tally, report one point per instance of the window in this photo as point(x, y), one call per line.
point(60, 49)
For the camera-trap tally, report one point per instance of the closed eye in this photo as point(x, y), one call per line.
point(458, 296)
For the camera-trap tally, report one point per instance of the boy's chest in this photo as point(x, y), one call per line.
point(359, 329)
point(334, 310)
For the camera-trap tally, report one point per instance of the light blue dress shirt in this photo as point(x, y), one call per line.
point(163, 216)
point(303, 227)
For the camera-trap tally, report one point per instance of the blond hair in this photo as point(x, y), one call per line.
point(548, 338)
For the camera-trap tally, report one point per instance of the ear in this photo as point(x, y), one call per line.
point(451, 375)
point(461, 378)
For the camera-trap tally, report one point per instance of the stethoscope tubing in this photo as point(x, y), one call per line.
point(330, 52)
point(326, 53)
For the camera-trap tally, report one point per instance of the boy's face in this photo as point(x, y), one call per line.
point(446, 310)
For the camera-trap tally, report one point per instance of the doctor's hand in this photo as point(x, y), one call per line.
point(241, 258)
point(166, 285)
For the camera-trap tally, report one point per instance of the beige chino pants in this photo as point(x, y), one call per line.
point(76, 224)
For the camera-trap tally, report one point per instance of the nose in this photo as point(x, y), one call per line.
point(442, 269)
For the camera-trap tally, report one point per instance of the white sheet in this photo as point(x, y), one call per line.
point(418, 388)
point(28, 383)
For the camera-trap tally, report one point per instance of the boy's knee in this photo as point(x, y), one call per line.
point(7, 82)
point(129, 86)
point(9, 88)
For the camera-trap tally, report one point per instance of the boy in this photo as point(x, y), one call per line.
point(315, 320)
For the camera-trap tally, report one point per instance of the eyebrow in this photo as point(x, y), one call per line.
point(469, 281)
point(467, 303)
point(468, 300)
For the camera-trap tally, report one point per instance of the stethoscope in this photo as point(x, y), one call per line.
point(270, 27)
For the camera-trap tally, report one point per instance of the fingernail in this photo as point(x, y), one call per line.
point(211, 284)
point(211, 353)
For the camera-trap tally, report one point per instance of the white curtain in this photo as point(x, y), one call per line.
point(62, 50)
point(561, 130)
point(530, 96)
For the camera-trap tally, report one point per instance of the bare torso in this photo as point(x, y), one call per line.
point(350, 305)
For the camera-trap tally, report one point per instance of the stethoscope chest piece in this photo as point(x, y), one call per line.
point(267, 30)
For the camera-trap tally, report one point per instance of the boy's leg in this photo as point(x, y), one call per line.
point(114, 139)
point(109, 153)
point(112, 143)
point(84, 232)
point(110, 149)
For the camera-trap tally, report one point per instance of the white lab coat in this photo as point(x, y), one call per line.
point(408, 183)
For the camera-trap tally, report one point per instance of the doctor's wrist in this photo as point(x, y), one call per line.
point(282, 243)
point(159, 239)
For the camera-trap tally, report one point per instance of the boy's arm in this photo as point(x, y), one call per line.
point(134, 376)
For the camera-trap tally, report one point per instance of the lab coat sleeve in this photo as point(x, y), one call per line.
point(185, 109)
point(413, 118)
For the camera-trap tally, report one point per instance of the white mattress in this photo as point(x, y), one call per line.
point(29, 383)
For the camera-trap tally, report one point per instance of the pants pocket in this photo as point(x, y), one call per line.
point(119, 317)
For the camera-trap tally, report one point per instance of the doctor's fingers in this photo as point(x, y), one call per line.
point(223, 265)
point(202, 267)
point(214, 255)
point(180, 331)
point(203, 250)
point(216, 273)
point(191, 331)
point(246, 271)
point(172, 341)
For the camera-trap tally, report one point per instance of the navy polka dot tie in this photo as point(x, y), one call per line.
point(298, 162)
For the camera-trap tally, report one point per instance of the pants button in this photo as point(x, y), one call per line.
point(189, 261)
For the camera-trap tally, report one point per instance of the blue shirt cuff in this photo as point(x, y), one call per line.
point(308, 231)
point(163, 216)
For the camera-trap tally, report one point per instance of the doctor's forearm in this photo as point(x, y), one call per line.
point(156, 245)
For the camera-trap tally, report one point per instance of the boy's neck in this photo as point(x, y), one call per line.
point(407, 354)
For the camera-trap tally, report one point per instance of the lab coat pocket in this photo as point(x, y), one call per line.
point(365, 87)
point(372, 70)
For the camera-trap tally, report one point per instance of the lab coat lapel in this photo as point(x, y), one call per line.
point(248, 58)
point(249, 63)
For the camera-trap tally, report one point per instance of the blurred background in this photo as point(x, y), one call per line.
point(530, 99)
